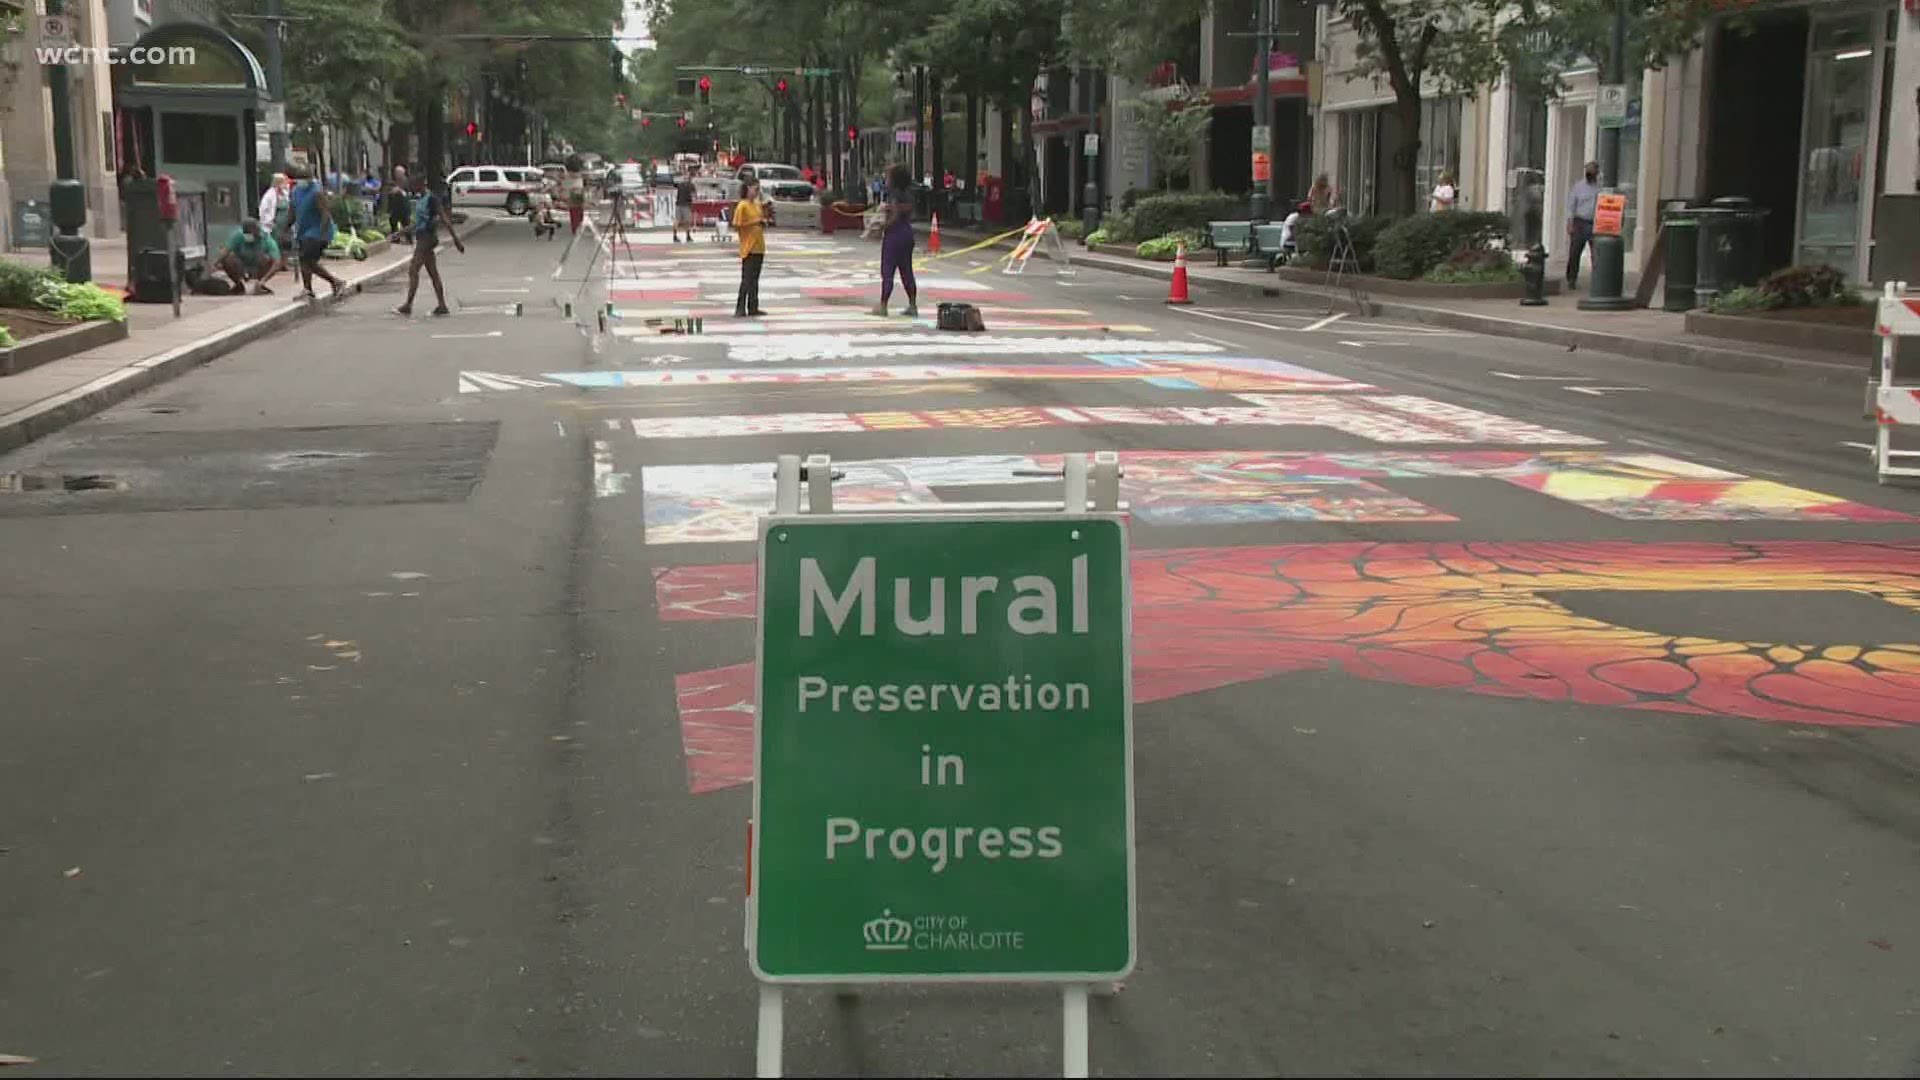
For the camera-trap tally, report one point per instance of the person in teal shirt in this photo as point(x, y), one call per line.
point(250, 254)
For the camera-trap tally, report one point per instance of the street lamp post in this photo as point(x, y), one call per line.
point(67, 248)
point(1606, 293)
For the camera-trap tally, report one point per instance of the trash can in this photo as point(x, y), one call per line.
point(1683, 257)
point(1743, 246)
point(1713, 250)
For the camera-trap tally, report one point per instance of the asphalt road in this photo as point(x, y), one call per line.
point(347, 718)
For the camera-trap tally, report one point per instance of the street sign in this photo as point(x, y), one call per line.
point(274, 118)
point(1262, 139)
point(1262, 167)
point(56, 32)
point(1093, 145)
point(943, 765)
point(1610, 214)
point(1611, 107)
point(638, 113)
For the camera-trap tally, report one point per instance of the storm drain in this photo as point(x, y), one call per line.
point(11, 483)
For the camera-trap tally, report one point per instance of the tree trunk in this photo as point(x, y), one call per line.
point(971, 172)
point(1406, 155)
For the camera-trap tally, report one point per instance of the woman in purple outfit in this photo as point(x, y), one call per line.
point(896, 243)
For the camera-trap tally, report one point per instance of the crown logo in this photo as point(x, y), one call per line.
point(886, 933)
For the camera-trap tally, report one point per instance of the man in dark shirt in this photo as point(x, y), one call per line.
point(683, 196)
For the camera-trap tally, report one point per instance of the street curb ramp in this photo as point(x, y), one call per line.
point(48, 415)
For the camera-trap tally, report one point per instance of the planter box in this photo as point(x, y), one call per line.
point(1825, 337)
point(831, 219)
point(45, 348)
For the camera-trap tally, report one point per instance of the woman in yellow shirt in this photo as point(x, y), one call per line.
point(750, 222)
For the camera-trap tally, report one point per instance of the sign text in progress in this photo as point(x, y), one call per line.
point(943, 769)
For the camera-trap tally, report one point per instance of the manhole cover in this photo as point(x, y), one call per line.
point(42, 481)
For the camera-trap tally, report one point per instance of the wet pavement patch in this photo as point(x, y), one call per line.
point(361, 465)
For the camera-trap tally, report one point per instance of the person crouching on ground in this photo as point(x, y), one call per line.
point(429, 212)
point(749, 221)
point(896, 244)
point(250, 254)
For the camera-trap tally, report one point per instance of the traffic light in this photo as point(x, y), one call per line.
point(620, 100)
point(682, 122)
point(706, 90)
point(473, 130)
point(780, 88)
point(683, 87)
point(853, 134)
point(646, 121)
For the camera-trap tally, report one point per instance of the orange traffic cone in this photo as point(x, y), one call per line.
point(1179, 293)
point(933, 238)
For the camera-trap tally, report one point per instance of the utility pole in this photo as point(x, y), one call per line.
point(276, 85)
point(67, 249)
point(1264, 194)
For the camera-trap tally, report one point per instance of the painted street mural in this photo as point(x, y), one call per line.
point(1220, 373)
point(790, 348)
point(1387, 418)
point(708, 503)
point(1481, 618)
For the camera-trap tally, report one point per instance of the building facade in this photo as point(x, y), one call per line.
point(27, 163)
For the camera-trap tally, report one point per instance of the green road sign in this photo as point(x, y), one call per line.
point(943, 773)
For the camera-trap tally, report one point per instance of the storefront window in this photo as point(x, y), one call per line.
point(1439, 148)
point(1839, 110)
point(1526, 169)
point(1359, 160)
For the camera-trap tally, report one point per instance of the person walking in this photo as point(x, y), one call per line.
point(276, 217)
point(683, 198)
point(750, 223)
point(313, 231)
point(399, 206)
point(896, 244)
point(429, 212)
point(1583, 202)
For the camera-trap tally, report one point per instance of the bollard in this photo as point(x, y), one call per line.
point(1533, 275)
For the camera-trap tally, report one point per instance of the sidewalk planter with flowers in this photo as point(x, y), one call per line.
point(44, 317)
point(1810, 306)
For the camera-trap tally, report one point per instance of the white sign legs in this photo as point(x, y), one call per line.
point(1895, 406)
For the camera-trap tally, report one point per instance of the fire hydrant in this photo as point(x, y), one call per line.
point(1534, 277)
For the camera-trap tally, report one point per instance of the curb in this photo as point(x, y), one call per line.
point(1713, 357)
point(48, 415)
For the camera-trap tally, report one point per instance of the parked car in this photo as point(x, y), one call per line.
point(779, 184)
point(509, 186)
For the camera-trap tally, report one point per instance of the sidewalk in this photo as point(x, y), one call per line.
point(159, 347)
point(1643, 333)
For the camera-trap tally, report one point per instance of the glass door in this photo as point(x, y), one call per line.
point(1835, 163)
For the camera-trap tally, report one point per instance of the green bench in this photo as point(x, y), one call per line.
point(1229, 237)
point(1267, 243)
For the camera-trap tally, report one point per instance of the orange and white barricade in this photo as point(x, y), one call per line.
point(1037, 231)
point(1894, 406)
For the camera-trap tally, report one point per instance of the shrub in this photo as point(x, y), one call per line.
point(1158, 215)
point(1475, 265)
point(80, 300)
point(1743, 299)
point(6, 337)
point(1806, 285)
point(1313, 237)
point(1099, 236)
point(1070, 229)
point(1420, 242)
point(1115, 229)
point(1163, 248)
point(20, 283)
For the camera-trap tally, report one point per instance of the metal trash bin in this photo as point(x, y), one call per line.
point(1743, 244)
point(1683, 258)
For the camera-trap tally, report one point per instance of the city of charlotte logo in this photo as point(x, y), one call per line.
point(886, 933)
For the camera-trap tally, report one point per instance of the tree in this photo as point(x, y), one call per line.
point(1129, 37)
point(1458, 46)
point(1174, 124)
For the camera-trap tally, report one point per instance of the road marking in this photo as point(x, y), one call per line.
point(1216, 341)
point(507, 290)
point(472, 382)
point(606, 482)
point(1542, 378)
point(1603, 391)
point(560, 428)
point(488, 334)
point(1868, 447)
point(1365, 344)
point(1328, 321)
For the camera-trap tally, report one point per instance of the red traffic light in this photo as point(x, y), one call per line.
point(646, 121)
point(781, 86)
point(853, 134)
point(473, 129)
point(682, 121)
point(706, 83)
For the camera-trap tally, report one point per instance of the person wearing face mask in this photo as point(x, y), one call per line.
point(1583, 202)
